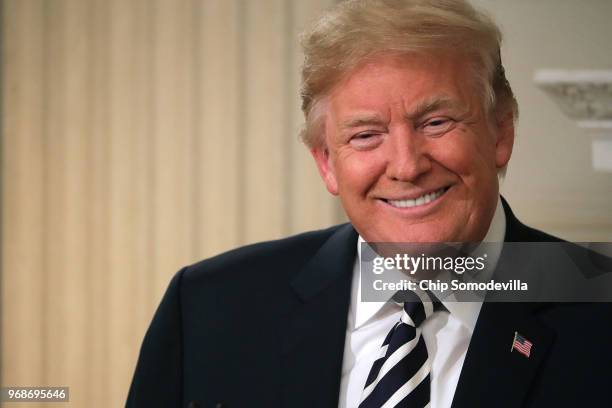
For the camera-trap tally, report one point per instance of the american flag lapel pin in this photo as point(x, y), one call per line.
point(521, 344)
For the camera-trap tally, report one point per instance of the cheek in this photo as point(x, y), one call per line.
point(464, 157)
point(358, 171)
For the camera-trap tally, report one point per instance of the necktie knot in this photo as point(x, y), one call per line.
point(417, 306)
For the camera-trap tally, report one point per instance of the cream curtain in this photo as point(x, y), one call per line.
point(138, 136)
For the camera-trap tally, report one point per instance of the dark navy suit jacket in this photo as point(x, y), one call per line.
point(264, 326)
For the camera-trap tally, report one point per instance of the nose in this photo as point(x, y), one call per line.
point(407, 156)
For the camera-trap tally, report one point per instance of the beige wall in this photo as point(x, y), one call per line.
point(138, 136)
point(142, 135)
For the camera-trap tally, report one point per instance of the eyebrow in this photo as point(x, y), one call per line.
point(433, 104)
point(362, 120)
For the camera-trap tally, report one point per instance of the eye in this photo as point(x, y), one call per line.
point(366, 140)
point(438, 126)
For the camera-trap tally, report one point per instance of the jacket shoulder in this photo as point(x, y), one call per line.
point(294, 250)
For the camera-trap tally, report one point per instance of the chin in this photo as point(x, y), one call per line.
point(421, 233)
point(433, 238)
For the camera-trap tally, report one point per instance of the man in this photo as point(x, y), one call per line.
point(410, 120)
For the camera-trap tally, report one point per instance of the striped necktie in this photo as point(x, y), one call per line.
point(400, 375)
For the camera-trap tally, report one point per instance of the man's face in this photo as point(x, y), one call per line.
point(409, 150)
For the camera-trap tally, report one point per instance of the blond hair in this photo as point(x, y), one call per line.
point(355, 30)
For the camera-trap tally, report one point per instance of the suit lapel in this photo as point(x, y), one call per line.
point(493, 374)
point(312, 335)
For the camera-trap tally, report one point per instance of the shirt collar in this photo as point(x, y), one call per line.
point(465, 312)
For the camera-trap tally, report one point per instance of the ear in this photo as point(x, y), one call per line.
point(326, 168)
point(505, 139)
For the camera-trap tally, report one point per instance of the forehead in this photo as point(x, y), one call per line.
point(407, 80)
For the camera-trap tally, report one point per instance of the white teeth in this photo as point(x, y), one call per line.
point(424, 199)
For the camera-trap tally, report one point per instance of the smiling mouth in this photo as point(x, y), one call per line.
point(422, 200)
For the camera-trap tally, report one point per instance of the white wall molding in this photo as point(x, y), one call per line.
point(586, 97)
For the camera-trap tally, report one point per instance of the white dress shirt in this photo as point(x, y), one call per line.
point(446, 333)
